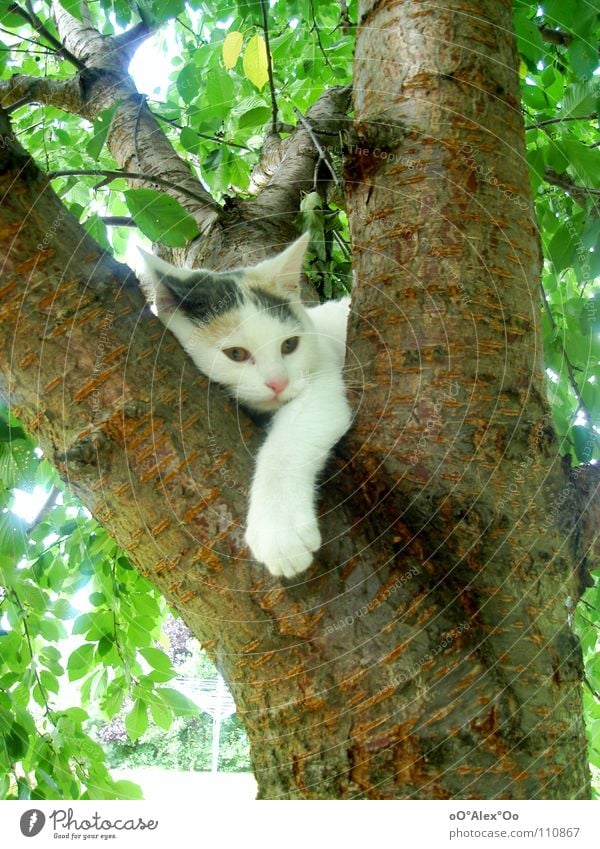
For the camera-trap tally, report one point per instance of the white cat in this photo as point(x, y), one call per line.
point(247, 330)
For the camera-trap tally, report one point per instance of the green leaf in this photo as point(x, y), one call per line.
point(49, 681)
point(561, 249)
point(136, 721)
point(232, 47)
point(191, 140)
point(220, 92)
point(534, 97)
point(73, 7)
point(580, 99)
point(18, 465)
point(559, 13)
point(128, 790)
point(24, 789)
point(256, 117)
point(179, 704)
point(62, 609)
point(17, 742)
point(102, 126)
point(82, 624)
point(584, 57)
point(255, 61)
point(190, 81)
point(160, 217)
point(8, 433)
point(529, 38)
point(51, 630)
point(113, 698)
point(161, 714)
point(13, 536)
point(583, 443)
point(165, 9)
point(97, 230)
point(157, 659)
point(585, 162)
point(80, 661)
point(97, 599)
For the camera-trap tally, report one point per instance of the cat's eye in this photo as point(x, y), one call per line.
point(290, 345)
point(238, 355)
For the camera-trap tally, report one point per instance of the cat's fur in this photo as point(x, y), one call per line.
point(257, 310)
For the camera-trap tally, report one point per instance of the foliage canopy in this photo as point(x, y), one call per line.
point(71, 606)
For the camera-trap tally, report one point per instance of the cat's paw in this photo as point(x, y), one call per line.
point(283, 538)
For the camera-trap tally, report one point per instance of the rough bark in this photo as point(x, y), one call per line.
point(427, 653)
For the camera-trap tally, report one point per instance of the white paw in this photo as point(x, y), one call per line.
point(283, 536)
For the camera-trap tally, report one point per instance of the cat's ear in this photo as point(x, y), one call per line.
point(281, 274)
point(197, 292)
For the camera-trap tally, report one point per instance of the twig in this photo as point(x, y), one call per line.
point(563, 181)
point(317, 31)
point(118, 221)
point(570, 370)
point(17, 105)
point(22, 37)
point(345, 21)
point(318, 146)
point(48, 504)
point(29, 129)
point(547, 121)
point(126, 669)
point(42, 689)
point(12, 50)
point(202, 135)
point(30, 16)
point(274, 109)
point(129, 175)
point(199, 41)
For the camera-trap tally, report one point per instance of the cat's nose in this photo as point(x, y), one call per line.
point(277, 385)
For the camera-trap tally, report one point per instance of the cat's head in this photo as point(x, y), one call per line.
point(246, 328)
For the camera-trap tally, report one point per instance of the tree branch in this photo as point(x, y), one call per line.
point(21, 89)
point(129, 175)
point(548, 121)
point(118, 221)
point(345, 21)
point(291, 162)
point(129, 41)
point(563, 181)
point(32, 19)
point(48, 505)
point(315, 28)
point(274, 108)
point(202, 135)
point(568, 363)
point(135, 140)
point(323, 157)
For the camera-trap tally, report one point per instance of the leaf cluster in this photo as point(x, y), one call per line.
point(79, 634)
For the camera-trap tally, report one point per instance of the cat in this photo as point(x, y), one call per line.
point(247, 330)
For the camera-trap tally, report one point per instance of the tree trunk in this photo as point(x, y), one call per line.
point(427, 653)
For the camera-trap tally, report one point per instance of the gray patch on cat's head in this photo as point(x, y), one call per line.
point(204, 295)
point(273, 305)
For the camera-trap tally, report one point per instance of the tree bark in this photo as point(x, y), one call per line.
point(427, 653)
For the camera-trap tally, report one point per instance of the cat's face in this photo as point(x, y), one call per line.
point(245, 329)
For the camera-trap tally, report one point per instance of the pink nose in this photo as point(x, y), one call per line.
point(277, 385)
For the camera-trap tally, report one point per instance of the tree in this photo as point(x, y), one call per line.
point(428, 653)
